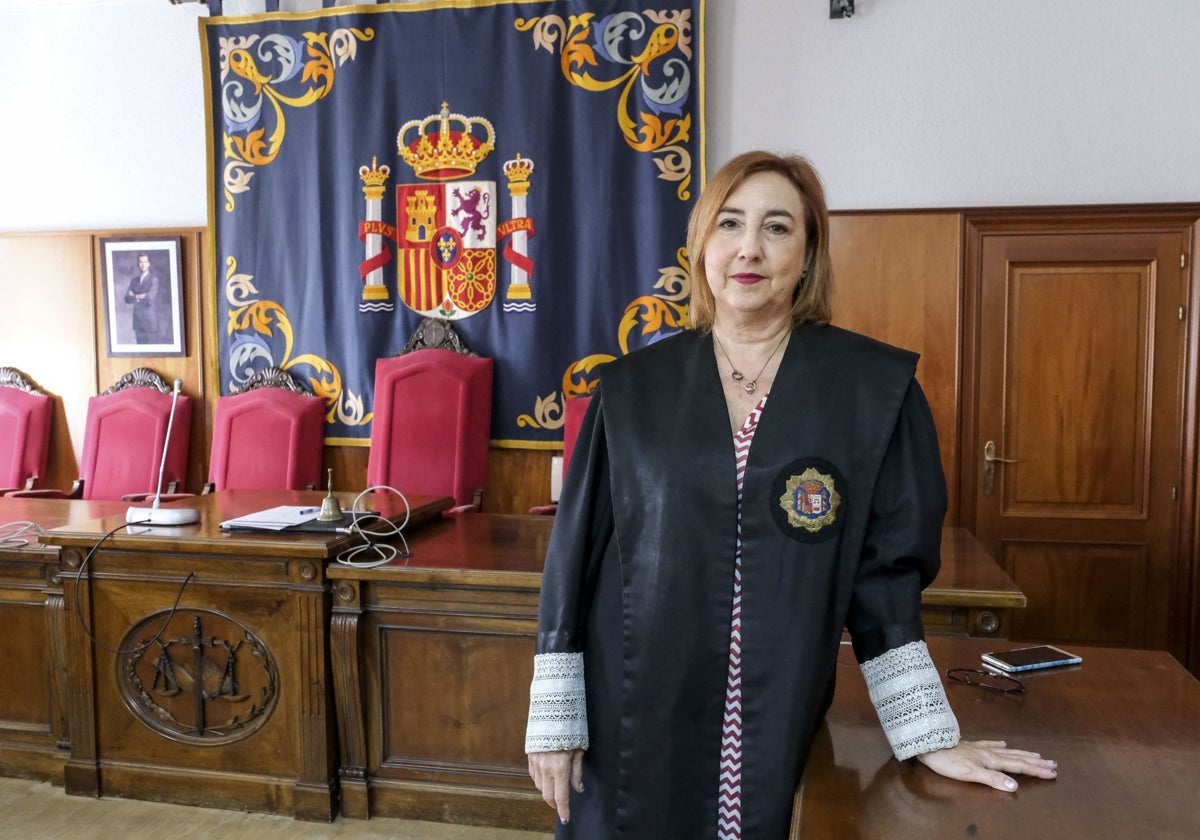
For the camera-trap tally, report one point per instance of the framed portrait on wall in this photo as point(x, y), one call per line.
point(143, 295)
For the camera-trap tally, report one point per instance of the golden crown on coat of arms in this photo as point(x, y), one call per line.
point(517, 171)
point(445, 153)
point(374, 177)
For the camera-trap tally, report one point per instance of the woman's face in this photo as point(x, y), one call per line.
point(755, 254)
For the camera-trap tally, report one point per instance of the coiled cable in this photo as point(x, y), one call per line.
point(380, 552)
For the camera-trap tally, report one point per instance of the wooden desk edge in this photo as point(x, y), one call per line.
point(973, 598)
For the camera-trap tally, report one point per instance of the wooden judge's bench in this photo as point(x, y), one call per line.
point(285, 682)
point(189, 664)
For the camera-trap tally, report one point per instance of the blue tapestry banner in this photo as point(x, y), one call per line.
point(524, 170)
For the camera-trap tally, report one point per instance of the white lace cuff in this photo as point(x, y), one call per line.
point(910, 700)
point(557, 704)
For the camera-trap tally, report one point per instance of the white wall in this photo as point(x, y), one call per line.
point(965, 103)
point(102, 106)
point(911, 103)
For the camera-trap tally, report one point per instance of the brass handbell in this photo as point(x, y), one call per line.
point(331, 509)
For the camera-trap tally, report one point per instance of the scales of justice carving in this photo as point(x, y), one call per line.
point(446, 230)
point(215, 684)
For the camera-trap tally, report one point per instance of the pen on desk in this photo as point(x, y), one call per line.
point(306, 511)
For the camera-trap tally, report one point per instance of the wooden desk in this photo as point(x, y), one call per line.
point(1124, 728)
point(432, 664)
point(971, 594)
point(229, 706)
point(33, 732)
point(427, 665)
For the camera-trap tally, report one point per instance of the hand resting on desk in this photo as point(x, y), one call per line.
point(987, 762)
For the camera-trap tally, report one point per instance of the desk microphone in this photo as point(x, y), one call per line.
point(156, 515)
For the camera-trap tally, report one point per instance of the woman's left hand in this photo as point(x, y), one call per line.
point(988, 763)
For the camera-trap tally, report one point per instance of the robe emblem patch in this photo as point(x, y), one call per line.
point(809, 500)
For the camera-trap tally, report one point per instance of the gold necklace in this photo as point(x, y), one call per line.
point(750, 384)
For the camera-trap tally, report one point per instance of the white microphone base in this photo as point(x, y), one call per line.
point(162, 516)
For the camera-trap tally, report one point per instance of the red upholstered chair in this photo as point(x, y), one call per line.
point(573, 419)
point(269, 434)
point(432, 424)
point(123, 441)
point(25, 416)
point(573, 413)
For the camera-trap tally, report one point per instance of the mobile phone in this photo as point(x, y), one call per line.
point(1029, 658)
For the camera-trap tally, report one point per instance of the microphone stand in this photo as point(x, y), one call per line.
point(156, 515)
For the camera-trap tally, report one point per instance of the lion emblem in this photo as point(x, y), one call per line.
point(472, 210)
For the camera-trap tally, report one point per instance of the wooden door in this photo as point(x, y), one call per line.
point(1072, 457)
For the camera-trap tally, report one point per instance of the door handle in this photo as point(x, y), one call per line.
point(990, 456)
point(990, 459)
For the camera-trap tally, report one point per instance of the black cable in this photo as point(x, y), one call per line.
point(79, 609)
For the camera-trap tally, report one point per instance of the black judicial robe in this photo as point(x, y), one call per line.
point(639, 573)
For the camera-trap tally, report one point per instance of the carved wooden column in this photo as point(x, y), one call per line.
point(81, 776)
point(348, 697)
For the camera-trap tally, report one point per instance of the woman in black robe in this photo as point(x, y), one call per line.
point(738, 496)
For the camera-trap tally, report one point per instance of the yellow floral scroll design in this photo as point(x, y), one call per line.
point(256, 327)
point(257, 71)
point(666, 309)
point(650, 54)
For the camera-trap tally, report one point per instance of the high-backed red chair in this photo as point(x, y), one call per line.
point(268, 434)
point(432, 418)
point(25, 416)
point(572, 419)
point(573, 412)
point(124, 437)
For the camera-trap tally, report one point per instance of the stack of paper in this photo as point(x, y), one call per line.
point(272, 519)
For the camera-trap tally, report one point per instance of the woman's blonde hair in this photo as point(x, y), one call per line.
point(813, 301)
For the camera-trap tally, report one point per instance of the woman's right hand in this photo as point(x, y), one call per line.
point(552, 772)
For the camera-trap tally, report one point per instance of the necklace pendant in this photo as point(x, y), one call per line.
point(750, 386)
point(737, 375)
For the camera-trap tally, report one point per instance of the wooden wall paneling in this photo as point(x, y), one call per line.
point(518, 479)
point(897, 279)
point(49, 333)
point(349, 465)
point(207, 364)
point(188, 367)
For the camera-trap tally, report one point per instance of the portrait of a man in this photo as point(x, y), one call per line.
point(144, 297)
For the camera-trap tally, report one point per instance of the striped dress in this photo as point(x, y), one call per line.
point(729, 802)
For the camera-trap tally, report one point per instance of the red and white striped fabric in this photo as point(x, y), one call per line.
point(729, 802)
